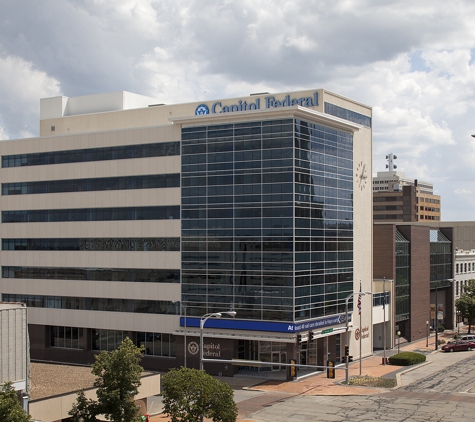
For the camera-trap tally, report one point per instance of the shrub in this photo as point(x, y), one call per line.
point(407, 359)
point(440, 328)
point(439, 342)
point(369, 381)
point(457, 336)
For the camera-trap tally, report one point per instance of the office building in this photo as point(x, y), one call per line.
point(419, 258)
point(400, 199)
point(127, 217)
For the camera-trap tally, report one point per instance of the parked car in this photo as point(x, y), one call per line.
point(468, 337)
point(458, 345)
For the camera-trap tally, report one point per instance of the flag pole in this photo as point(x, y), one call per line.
point(361, 333)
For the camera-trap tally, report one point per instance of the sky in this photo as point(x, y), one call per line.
point(411, 61)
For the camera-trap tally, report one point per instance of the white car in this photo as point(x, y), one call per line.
point(468, 337)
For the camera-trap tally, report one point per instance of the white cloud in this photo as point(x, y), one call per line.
point(22, 87)
point(462, 191)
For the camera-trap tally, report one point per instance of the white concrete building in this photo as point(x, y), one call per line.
point(126, 213)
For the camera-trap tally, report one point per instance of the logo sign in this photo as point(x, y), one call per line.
point(193, 348)
point(201, 109)
point(357, 334)
point(267, 103)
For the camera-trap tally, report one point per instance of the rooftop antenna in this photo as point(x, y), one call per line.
point(391, 166)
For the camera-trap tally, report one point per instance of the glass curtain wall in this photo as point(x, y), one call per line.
point(402, 277)
point(440, 259)
point(267, 219)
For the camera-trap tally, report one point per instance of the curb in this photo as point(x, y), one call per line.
point(398, 375)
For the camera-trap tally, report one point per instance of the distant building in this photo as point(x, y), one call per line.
point(419, 258)
point(464, 255)
point(400, 199)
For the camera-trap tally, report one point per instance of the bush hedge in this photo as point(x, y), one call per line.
point(407, 358)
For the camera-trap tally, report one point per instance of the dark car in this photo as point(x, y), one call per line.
point(458, 345)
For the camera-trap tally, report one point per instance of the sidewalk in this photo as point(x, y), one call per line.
point(371, 366)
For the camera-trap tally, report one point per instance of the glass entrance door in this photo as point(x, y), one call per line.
point(278, 357)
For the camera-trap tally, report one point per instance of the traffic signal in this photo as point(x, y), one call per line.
point(347, 350)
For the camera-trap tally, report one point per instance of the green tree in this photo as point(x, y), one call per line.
point(191, 394)
point(84, 408)
point(466, 303)
point(10, 407)
point(117, 382)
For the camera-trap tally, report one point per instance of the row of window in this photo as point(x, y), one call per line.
point(92, 154)
point(239, 131)
point(93, 244)
point(247, 247)
point(155, 344)
point(134, 275)
point(459, 286)
point(273, 129)
point(429, 209)
point(346, 114)
point(92, 214)
point(429, 200)
point(153, 181)
point(429, 217)
point(387, 216)
point(256, 257)
point(465, 267)
point(230, 151)
point(94, 304)
point(269, 222)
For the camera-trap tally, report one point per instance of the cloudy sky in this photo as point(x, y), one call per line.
point(411, 60)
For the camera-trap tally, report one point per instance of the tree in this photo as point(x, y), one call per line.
point(117, 382)
point(191, 394)
point(10, 407)
point(84, 408)
point(466, 303)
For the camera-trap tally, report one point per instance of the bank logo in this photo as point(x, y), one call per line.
point(193, 348)
point(201, 109)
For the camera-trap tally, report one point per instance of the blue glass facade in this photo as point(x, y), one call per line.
point(267, 219)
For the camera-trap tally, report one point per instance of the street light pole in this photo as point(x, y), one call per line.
point(203, 320)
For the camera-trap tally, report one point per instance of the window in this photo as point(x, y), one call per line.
point(66, 337)
point(158, 344)
point(108, 340)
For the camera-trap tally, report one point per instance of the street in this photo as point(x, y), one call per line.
point(443, 390)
